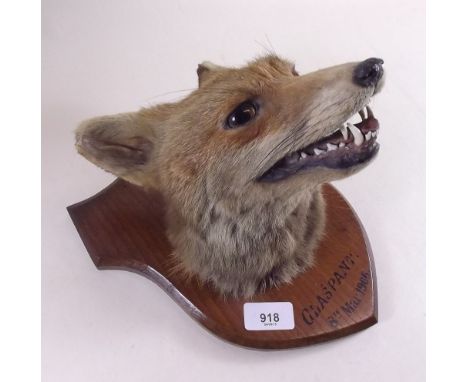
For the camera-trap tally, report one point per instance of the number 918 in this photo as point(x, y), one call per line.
point(269, 317)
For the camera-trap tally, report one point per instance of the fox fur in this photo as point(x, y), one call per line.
point(227, 228)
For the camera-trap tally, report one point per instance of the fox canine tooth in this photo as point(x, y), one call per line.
point(362, 114)
point(318, 151)
point(368, 136)
point(303, 155)
point(344, 131)
point(374, 134)
point(358, 137)
point(331, 147)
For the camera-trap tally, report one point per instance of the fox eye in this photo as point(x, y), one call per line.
point(243, 114)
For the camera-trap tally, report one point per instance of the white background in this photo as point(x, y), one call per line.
point(112, 56)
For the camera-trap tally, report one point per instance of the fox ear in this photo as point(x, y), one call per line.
point(116, 143)
point(205, 70)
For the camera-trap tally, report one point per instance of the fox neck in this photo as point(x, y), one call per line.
point(244, 248)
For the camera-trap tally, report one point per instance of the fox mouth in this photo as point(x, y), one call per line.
point(348, 146)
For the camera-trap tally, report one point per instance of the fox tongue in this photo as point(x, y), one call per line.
point(369, 124)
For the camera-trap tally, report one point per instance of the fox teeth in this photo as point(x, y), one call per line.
point(362, 114)
point(344, 132)
point(318, 151)
point(341, 144)
point(331, 147)
point(374, 134)
point(303, 155)
point(368, 136)
point(358, 137)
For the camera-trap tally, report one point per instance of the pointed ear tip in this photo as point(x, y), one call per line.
point(82, 137)
point(92, 124)
point(206, 63)
point(84, 131)
point(203, 67)
point(200, 69)
point(86, 124)
point(79, 132)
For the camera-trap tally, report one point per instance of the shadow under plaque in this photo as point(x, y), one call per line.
point(122, 227)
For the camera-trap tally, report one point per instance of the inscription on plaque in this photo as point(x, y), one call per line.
point(314, 311)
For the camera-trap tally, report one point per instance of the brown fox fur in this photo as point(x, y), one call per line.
point(230, 224)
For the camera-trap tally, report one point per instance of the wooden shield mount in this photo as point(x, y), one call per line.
point(122, 227)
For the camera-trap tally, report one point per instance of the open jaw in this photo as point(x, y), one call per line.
point(348, 146)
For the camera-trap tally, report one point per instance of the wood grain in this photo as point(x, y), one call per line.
point(122, 227)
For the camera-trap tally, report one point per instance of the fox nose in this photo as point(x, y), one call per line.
point(368, 72)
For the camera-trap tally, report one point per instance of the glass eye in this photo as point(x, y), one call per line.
point(243, 114)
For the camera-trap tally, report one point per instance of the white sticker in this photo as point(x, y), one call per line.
point(268, 316)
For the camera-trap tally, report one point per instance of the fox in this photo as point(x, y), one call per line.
point(241, 161)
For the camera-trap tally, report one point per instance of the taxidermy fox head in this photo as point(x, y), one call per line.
point(240, 162)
